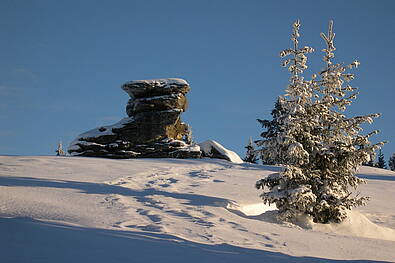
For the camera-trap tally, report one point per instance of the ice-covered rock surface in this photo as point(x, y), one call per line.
point(71, 209)
point(213, 149)
point(153, 128)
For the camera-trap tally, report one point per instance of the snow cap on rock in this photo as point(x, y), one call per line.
point(213, 149)
point(155, 87)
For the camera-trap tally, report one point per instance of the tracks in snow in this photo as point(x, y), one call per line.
point(170, 201)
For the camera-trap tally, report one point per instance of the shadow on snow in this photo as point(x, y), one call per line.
point(28, 240)
point(106, 189)
point(377, 177)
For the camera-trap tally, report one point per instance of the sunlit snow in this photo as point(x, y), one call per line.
point(70, 209)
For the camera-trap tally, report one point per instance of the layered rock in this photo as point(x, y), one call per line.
point(153, 127)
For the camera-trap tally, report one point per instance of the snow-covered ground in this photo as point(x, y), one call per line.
point(69, 209)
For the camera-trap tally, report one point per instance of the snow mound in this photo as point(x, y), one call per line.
point(213, 149)
point(357, 225)
point(252, 209)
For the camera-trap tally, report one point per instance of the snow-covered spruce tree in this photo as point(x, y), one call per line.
point(381, 161)
point(280, 143)
point(326, 146)
point(273, 128)
point(340, 149)
point(251, 155)
point(290, 190)
point(391, 162)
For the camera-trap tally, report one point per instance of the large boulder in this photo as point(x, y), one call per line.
point(153, 128)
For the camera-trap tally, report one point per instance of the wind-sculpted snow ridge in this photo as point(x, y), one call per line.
point(71, 209)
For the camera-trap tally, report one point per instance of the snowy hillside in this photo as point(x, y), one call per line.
point(69, 209)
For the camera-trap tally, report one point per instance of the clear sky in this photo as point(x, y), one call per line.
point(62, 63)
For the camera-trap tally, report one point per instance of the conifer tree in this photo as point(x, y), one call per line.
point(59, 151)
point(323, 147)
point(251, 155)
point(391, 162)
point(280, 143)
point(381, 161)
point(273, 128)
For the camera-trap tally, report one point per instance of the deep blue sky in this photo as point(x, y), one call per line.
point(62, 63)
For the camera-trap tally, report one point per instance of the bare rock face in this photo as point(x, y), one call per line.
point(153, 128)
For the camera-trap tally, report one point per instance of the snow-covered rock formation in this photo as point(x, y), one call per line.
point(153, 127)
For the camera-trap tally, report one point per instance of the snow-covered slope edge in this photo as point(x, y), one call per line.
point(58, 209)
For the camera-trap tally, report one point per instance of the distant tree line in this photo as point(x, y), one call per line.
point(380, 163)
